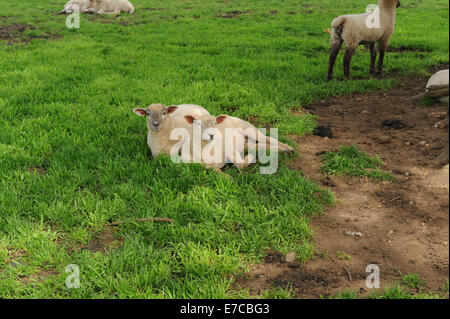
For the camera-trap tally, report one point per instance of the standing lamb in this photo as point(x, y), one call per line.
point(354, 30)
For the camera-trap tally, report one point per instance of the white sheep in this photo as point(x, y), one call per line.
point(77, 5)
point(233, 136)
point(358, 29)
point(161, 120)
point(112, 7)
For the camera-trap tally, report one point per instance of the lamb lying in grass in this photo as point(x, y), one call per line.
point(233, 136)
point(161, 120)
point(163, 137)
point(77, 5)
point(112, 7)
point(354, 30)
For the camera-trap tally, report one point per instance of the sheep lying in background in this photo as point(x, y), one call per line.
point(77, 5)
point(353, 30)
point(161, 120)
point(112, 7)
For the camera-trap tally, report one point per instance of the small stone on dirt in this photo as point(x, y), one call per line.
point(354, 234)
point(441, 124)
point(385, 139)
point(438, 115)
point(290, 257)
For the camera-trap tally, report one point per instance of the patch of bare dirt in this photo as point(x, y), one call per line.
point(402, 226)
point(38, 169)
point(102, 242)
point(15, 32)
point(105, 240)
point(231, 14)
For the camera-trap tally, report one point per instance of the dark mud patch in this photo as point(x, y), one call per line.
point(273, 256)
point(231, 14)
point(102, 242)
point(16, 32)
point(404, 224)
point(38, 169)
point(407, 49)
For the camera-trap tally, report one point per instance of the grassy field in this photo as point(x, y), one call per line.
point(73, 156)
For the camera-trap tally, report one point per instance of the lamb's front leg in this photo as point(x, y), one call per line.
point(373, 57)
point(382, 47)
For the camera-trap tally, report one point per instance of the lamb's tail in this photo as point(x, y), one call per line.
point(338, 22)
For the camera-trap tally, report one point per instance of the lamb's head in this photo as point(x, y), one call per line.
point(156, 115)
point(207, 123)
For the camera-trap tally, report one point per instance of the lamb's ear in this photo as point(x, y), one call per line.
point(220, 119)
point(189, 118)
point(140, 112)
point(171, 109)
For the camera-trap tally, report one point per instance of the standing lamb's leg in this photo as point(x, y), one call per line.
point(349, 51)
point(334, 51)
point(373, 57)
point(382, 46)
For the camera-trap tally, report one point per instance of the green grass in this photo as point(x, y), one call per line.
point(348, 294)
point(411, 286)
point(279, 293)
point(73, 156)
point(412, 281)
point(349, 160)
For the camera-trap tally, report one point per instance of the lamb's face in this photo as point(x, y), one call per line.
point(156, 115)
point(206, 123)
point(398, 3)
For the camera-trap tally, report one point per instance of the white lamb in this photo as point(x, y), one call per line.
point(112, 7)
point(77, 5)
point(161, 120)
point(233, 136)
point(355, 29)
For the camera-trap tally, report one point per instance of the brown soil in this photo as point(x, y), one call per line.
point(105, 240)
point(231, 14)
point(102, 242)
point(14, 32)
point(404, 224)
